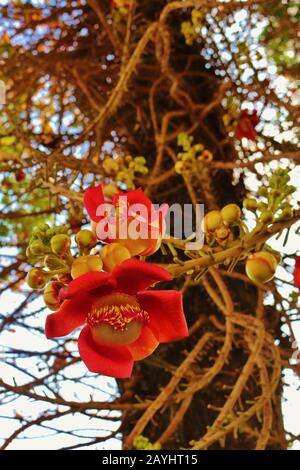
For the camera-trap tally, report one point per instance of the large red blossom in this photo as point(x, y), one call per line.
point(133, 210)
point(297, 272)
point(246, 125)
point(123, 321)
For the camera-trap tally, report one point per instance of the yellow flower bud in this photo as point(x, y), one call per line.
point(231, 213)
point(266, 217)
point(287, 213)
point(29, 254)
point(222, 233)
point(37, 248)
point(187, 158)
point(110, 166)
point(86, 239)
point(37, 278)
point(85, 264)
point(262, 191)
point(178, 167)
point(53, 263)
point(124, 177)
point(212, 221)
point(140, 160)
point(51, 293)
point(60, 244)
point(199, 148)
point(113, 254)
point(109, 190)
point(261, 266)
point(250, 204)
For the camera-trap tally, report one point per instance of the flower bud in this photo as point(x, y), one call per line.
point(51, 295)
point(179, 167)
point(37, 248)
point(29, 254)
point(222, 233)
point(124, 177)
point(199, 148)
point(250, 204)
point(231, 213)
point(85, 264)
point(53, 263)
point(212, 221)
point(109, 190)
point(287, 213)
point(110, 166)
point(86, 239)
point(37, 278)
point(261, 266)
point(40, 228)
point(266, 217)
point(60, 244)
point(262, 191)
point(113, 254)
point(50, 233)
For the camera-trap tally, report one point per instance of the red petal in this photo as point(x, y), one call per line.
point(144, 345)
point(297, 272)
point(70, 315)
point(112, 361)
point(93, 198)
point(134, 197)
point(166, 314)
point(133, 275)
point(90, 281)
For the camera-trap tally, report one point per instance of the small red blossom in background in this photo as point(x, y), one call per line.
point(297, 272)
point(20, 176)
point(123, 321)
point(153, 223)
point(246, 125)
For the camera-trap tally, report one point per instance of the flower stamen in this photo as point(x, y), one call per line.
point(118, 310)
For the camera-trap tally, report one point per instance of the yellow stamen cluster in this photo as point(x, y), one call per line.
point(118, 316)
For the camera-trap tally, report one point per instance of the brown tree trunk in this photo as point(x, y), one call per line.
point(214, 188)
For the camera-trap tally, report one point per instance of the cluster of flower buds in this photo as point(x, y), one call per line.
point(124, 169)
point(275, 202)
point(143, 443)
point(50, 248)
point(218, 225)
point(192, 155)
point(191, 29)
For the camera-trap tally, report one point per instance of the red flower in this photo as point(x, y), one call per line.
point(124, 322)
point(297, 272)
point(20, 176)
point(136, 224)
point(246, 125)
